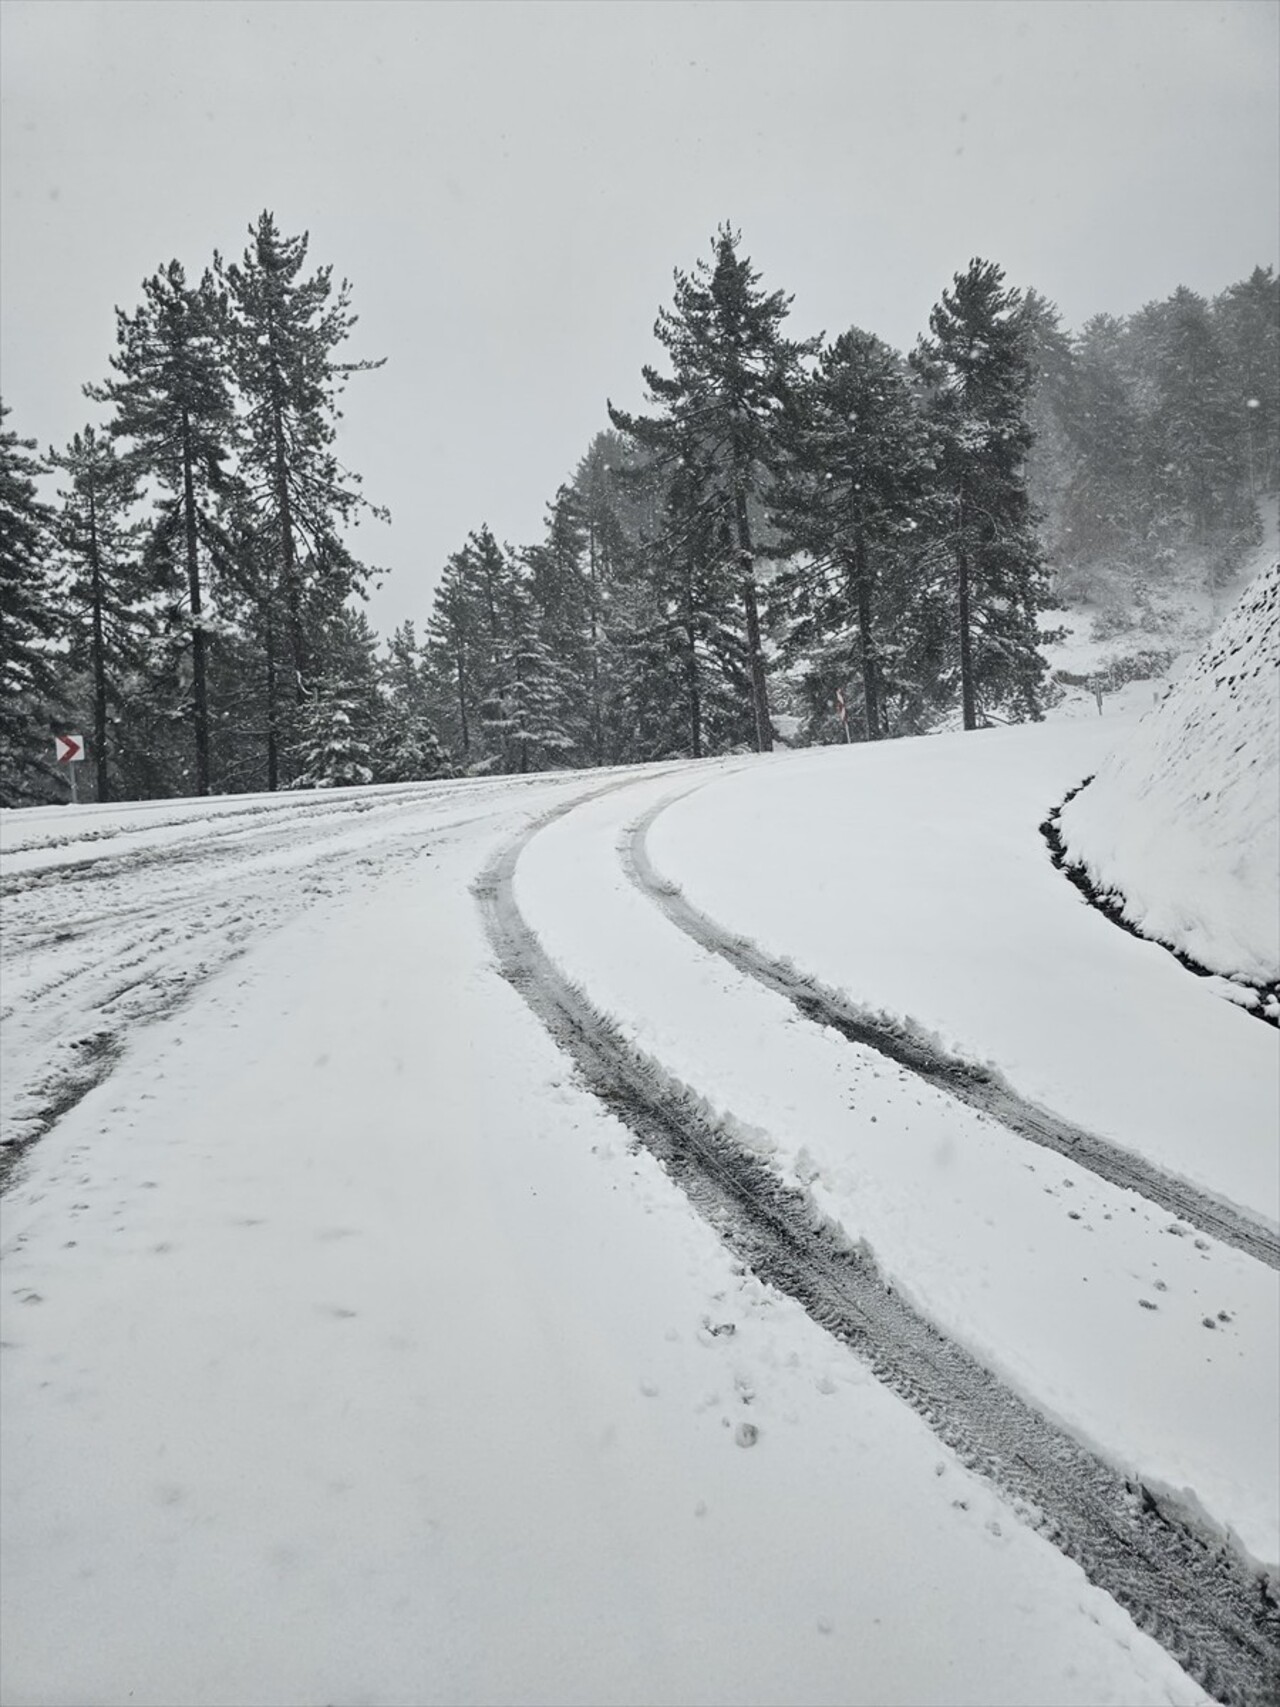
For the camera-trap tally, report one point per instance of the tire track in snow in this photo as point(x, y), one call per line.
point(970, 1083)
point(286, 819)
point(1219, 1621)
point(97, 947)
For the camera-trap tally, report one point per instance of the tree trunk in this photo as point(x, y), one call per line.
point(99, 660)
point(691, 666)
point(759, 685)
point(597, 711)
point(273, 738)
point(866, 637)
point(967, 699)
point(759, 689)
point(288, 550)
point(522, 703)
point(199, 684)
point(462, 705)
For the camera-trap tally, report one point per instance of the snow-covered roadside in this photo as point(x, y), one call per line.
point(1181, 825)
point(911, 877)
point(1070, 1289)
point(351, 1355)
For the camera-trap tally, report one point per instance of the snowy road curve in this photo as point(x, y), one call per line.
point(356, 1347)
point(1215, 1617)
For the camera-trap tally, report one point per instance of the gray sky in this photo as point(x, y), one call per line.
point(509, 186)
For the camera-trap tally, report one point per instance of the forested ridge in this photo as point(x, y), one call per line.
point(799, 539)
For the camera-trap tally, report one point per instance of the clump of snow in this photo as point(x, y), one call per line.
point(1181, 825)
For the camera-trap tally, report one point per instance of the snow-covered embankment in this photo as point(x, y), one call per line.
point(1180, 828)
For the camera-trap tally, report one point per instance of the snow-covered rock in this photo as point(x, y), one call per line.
point(1181, 825)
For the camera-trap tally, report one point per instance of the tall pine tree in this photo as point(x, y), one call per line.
point(409, 748)
point(110, 619)
point(452, 653)
point(340, 724)
point(1195, 432)
point(849, 500)
point(619, 498)
point(1247, 318)
point(978, 373)
point(1106, 501)
point(285, 332)
point(732, 370)
point(475, 640)
point(30, 625)
point(173, 404)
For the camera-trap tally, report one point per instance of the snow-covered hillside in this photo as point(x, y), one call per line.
point(1181, 825)
point(1138, 632)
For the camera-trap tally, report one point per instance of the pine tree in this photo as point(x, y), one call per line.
point(1107, 512)
point(493, 589)
point(1195, 468)
point(452, 653)
point(30, 625)
point(1169, 449)
point(341, 719)
point(525, 689)
point(1050, 460)
point(695, 576)
point(249, 724)
point(978, 374)
point(1247, 320)
point(409, 748)
point(412, 752)
point(732, 372)
point(473, 639)
point(848, 503)
point(538, 695)
point(285, 331)
point(173, 403)
point(565, 630)
point(334, 751)
point(402, 671)
point(619, 494)
point(106, 594)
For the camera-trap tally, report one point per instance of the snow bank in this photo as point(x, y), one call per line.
point(1182, 822)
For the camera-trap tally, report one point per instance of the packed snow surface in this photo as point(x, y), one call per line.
point(353, 1352)
point(1089, 1301)
point(1182, 822)
point(910, 876)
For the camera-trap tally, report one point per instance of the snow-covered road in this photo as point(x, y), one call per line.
point(112, 918)
point(354, 1351)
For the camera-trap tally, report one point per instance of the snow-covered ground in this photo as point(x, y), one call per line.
point(1073, 1291)
point(1182, 823)
point(1161, 621)
point(354, 1352)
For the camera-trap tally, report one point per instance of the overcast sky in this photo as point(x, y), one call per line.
point(509, 187)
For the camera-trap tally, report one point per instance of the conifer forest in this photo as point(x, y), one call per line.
point(792, 526)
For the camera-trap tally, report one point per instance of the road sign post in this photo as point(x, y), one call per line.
point(69, 750)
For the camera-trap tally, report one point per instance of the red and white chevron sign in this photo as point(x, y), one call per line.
point(68, 748)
